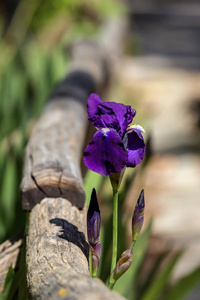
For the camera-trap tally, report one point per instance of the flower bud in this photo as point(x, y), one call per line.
point(123, 263)
point(93, 230)
point(138, 217)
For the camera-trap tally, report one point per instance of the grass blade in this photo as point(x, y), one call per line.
point(184, 286)
point(161, 281)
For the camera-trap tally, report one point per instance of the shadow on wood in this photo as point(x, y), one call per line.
point(70, 233)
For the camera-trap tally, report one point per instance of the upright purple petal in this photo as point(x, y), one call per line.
point(114, 115)
point(109, 114)
point(92, 106)
point(136, 147)
point(106, 117)
point(105, 154)
point(124, 115)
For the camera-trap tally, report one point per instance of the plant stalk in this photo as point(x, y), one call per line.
point(115, 236)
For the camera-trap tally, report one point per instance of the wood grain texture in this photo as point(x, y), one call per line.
point(57, 254)
point(53, 155)
point(9, 253)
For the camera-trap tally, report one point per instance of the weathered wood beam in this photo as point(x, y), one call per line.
point(57, 250)
point(57, 254)
point(9, 253)
point(52, 160)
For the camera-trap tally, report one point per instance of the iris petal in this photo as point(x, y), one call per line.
point(136, 147)
point(122, 116)
point(105, 154)
point(109, 114)
point(92, 106)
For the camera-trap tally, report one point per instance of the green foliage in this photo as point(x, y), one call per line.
point(25, 86)
point(76, 11)
point(7, 284)
point(158, 286)
point(183, 286)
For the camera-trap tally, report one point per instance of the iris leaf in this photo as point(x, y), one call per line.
point(154, 291)
point(184, 286)
point(7, 284)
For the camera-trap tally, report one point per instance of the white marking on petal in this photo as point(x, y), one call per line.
point(105, 130)
point(136, 126)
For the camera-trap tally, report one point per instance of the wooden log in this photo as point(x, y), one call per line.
point(57, 254)
point(57, 249)
point(9, 253)
point(52, 160)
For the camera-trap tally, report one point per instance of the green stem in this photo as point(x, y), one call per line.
point(115, 235)
point(90, 263)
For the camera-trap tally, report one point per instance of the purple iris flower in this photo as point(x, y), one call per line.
point(115, 145)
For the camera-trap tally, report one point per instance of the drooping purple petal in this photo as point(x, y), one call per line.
point(105, 154)
point(136, 147)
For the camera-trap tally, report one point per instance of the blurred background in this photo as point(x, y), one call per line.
point(158, 74)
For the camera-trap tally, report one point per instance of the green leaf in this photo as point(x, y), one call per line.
point(8, 194)
point(7, 284)
point(184, 286)
point(150, 275)
point(154, 291)
point(19, 285)
point(102, 240)
point(126, 284)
